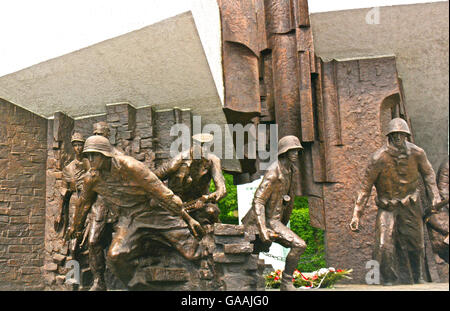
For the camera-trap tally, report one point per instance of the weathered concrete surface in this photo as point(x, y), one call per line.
point(418, 36)
point(163, 65)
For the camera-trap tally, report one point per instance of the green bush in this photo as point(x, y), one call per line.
point(314, 256)
point(228, 206)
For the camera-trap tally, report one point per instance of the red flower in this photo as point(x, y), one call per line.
point(315, 277)
point(339, 270)
point(277, 278)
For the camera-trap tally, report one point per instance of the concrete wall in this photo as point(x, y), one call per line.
point(22, 197)
point(418, 35)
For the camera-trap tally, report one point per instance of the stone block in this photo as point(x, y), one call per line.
point(58, 258)
point(160, 274)
point(147, 143)
point(19, 249)
point(51, 267)
point(245, 248)
point(231, 258)
point(226, 229)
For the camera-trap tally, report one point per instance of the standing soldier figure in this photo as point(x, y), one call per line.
point(394, 170)
point(189, 176)
point(272, 207)
point(73, 175)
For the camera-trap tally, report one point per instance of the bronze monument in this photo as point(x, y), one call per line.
point(395, 170)
point(272, 208)
point(189, 176)
point(437, 222)
point(146, 208)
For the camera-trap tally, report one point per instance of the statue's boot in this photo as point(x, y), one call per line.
point(99, 284)
point(97, 265)
point(286, 283)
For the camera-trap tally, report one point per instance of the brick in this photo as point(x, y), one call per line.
point(226, 229)
point(147, 143)
point(30, 270)
point(19, 220)
point(153, 274)
point(58, 258)
point(19, 249)
point(223, 258)
point(245, 248)
point(17, 233)
point(4, 219)
point(51, 267)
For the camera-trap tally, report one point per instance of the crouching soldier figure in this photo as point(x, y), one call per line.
point(272, 207)
point(189, 176)
point(146, 209)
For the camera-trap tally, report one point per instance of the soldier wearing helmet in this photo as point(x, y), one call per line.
point(101, 223)
point(146, 208)
point(73, 175)
point(189, 176)
point(272, 207)
point(395, 170)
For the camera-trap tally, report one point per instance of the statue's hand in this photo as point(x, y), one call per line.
point(196, 228)
point(354, 224)
point(435, 202)
point(267, 235)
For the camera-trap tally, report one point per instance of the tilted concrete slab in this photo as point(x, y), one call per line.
point(164, 65)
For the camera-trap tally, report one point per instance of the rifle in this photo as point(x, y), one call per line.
point(192, 205)
point(433, 210)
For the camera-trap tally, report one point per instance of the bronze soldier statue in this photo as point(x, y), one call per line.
point(102, 221)
point(146, 208)
point(394, 170)
point(189, 177)
point(73, 184)
point(438, 222)
point(272, 207)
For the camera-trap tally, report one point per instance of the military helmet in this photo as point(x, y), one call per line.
point(398, 125)
point(203, 138)
point(287, 143)
point(101, 128)
point(99, 144)
point(77, 137)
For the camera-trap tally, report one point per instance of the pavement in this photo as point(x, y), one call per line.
point(364, 287)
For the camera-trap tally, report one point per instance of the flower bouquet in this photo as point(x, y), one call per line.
point(323, 278)
point(273, 279)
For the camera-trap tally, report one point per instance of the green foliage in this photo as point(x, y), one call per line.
point(228, 205)
point(314, 256)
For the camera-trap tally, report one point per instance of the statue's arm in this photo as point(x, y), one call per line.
point(370, 176)
point(262, 195)
point(84, 204)
point(157, 190)
point(168, 167)
point(219, 180)
point(429, 177)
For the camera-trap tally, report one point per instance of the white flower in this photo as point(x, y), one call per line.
point(323, 271)
point(331, 269)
